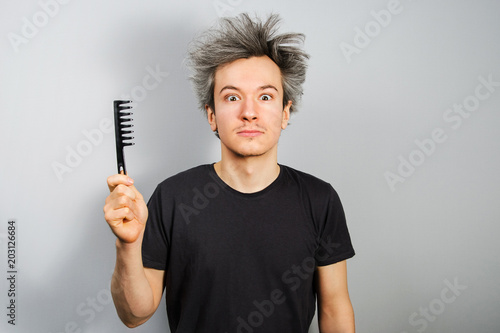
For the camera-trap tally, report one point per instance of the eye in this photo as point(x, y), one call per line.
point(266, 97)
point(232, 98)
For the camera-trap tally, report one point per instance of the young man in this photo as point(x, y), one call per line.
point(244, 244)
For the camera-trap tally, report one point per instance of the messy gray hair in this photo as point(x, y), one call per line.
point(241, 37)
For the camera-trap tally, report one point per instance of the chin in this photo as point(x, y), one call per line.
point(249, 153)
point(249, 149)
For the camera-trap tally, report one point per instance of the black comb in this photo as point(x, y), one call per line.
point(122, 131)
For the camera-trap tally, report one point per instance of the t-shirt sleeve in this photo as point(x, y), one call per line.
point(334, 240)
point(155, 244)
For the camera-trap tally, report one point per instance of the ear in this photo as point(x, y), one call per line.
point(285, 115)
point(211, 118)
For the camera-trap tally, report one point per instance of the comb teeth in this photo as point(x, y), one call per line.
point(123, 119)
point(122, 131)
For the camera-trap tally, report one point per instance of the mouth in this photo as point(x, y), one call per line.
point(249, 133)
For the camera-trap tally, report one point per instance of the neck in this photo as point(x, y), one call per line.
point(248, 174)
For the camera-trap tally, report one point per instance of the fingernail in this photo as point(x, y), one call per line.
point(130, 181)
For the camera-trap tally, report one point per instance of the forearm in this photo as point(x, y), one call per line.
point(338, 319)
point(130, 288)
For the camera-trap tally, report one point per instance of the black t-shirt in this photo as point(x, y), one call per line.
point(239, 262)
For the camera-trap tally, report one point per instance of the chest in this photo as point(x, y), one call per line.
point(264, 236)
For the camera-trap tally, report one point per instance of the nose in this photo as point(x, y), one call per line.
point(249, 110)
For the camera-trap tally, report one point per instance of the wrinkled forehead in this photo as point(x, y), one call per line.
point(248, 73)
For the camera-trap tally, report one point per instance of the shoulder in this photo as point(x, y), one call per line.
point(185, 181)
point(307, 182)
point(317, 196)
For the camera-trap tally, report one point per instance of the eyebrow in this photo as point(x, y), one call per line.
point(229, 87)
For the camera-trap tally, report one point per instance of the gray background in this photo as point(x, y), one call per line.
point(360, 116)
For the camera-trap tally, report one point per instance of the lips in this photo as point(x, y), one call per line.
point(249, 133)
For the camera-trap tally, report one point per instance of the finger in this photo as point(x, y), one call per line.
point(115, 217)
point(120, 201)
point(125, 196)
point(139, 209)
point(118, 179)
point(137, 194)
point(123, 191)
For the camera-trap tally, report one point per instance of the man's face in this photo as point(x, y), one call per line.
point(249, 113)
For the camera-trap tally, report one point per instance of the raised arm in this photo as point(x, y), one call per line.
point(136, 290)
point(335, 312)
